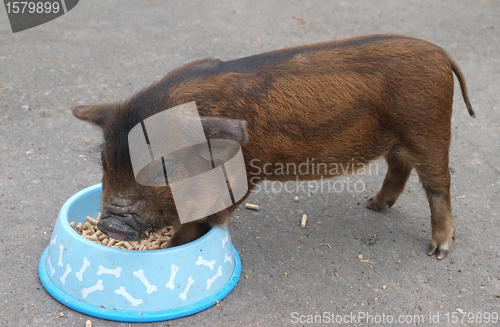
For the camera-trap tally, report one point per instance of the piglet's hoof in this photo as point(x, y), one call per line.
point(432, 250)
point(370, 204)
point(441, 254)
point(117, 229)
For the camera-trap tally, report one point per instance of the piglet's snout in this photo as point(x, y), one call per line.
point(120, 219)
point(115, 227)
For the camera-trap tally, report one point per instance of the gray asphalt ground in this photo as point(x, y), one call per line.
point(107, 50)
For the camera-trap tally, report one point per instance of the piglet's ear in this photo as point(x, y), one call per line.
point(223, 128)
point(96, 114)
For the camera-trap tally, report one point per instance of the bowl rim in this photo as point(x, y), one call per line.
point(63, 214)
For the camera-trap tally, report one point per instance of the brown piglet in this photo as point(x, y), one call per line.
point(346, 102)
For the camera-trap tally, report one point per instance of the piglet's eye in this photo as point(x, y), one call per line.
point(103, 162)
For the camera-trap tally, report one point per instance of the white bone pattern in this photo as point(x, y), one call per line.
point(212, 280)
point(52, 270)
point(183, 294)
point(87, 291)
point(86, 264)
point(61, 248)
point(116, 272)
point(122, 291)
point(139, 274)
point(149, 288)
point(170, 283)
point(204, 262)
point(228, 258)
point(224, 240)
point(66, 273)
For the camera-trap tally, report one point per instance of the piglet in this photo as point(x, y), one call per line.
point(346, 102)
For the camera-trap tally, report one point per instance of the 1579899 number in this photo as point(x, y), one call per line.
point(471, 317)
point(32, 7)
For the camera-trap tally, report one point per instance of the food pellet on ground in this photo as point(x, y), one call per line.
point(153, 241)
point(252, 206)
point(303, 221)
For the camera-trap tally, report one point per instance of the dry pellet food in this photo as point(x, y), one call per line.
point(153, 241)
point(303, 221)
point(252, 206)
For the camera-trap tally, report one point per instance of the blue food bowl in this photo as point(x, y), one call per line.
point(134, 286)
